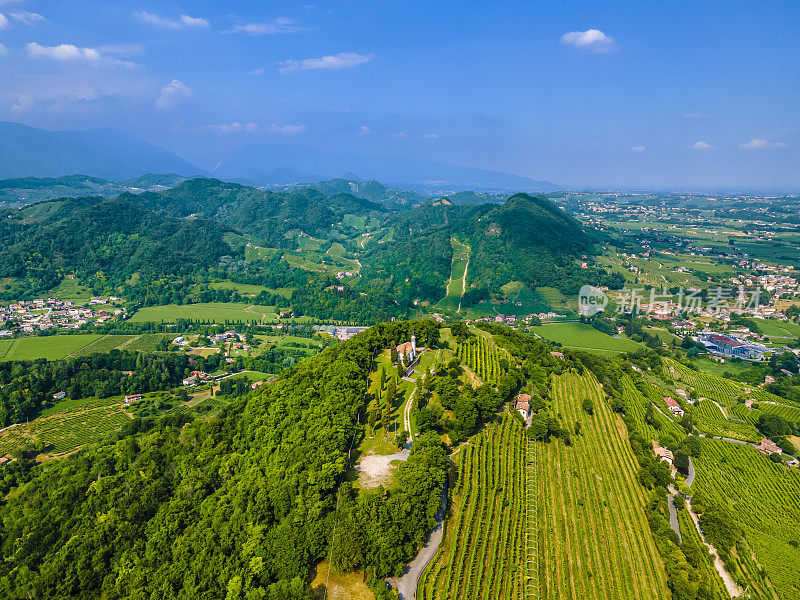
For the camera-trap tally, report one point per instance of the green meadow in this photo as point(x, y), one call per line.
point(217, 312)
point(580, 336)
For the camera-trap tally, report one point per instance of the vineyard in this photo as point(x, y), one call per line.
point(595, 541)
point(765, 498)
point(456, 285)
point(724, 391)
point(480, 354)
point(710, 420)
point(74, 424)
point(483, 553)
point(636, 405)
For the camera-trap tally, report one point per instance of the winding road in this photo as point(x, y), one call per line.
point(408, 581)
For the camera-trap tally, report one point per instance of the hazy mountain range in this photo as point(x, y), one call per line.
point(114, 155)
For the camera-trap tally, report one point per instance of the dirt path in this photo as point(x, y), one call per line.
point(407, 419)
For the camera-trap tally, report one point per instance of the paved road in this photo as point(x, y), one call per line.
point(673, 517)
point(407, 583)
point(690, 477)
point(733, 589)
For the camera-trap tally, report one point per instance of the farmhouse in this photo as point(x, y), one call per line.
point(133, 398)
point(768, 447)
point(59, 395)
point(663, 454)
point(522, 405)
point(673, 406)
point(192, 380)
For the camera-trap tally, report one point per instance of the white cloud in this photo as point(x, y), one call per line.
point(759, 144)
point(65, 52)
point(3, 50)
point(695, 115)
point(154, 19)
point(592, 40)
point(3, 21)
point(638, 148)
point(121, 49)
point(173, 94)
point(400, 135)
point(364, 130)
point(701, 145)
point(343, 60)
point(194, 21)
point(159, 21)
point(431, 136)
point(286, 129)
point(28, 18)
point(273, 27)
point(258, 71)
point(233, 127)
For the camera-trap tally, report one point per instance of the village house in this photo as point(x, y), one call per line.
point(663, 454)
point(59, 395)
point(673, 406)
point(522, 404)
point(767, 447)
point(133, 398)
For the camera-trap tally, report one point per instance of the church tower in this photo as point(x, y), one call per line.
point(413, 345)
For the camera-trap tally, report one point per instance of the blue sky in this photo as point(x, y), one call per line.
point(611, 94)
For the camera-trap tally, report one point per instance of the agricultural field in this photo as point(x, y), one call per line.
point(481, 355)
point(456, 285)
point(636, 404)
point(765, 500)
point(258, 253)
point(247, 289)
point(321, 263)
point(724, 391)
point(52, 347)
point(595, 541)
point(482, 555)
point(581, 336)
point(778, 329)
point(68, 425)
point(214, 312)
point(71, 289)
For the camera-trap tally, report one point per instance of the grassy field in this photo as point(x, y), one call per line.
point(595, 539)
point(50, 347)
point(585, 337)
point(764, 498)
point(71, 289)
point(482, 554)
point(56, 347)
point(455, 286)
point(246, 289)
point(211, 311)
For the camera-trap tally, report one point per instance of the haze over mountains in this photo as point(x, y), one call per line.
point(114, 155)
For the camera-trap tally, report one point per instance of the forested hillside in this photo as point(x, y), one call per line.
point(242, 501)
point(117, 237)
